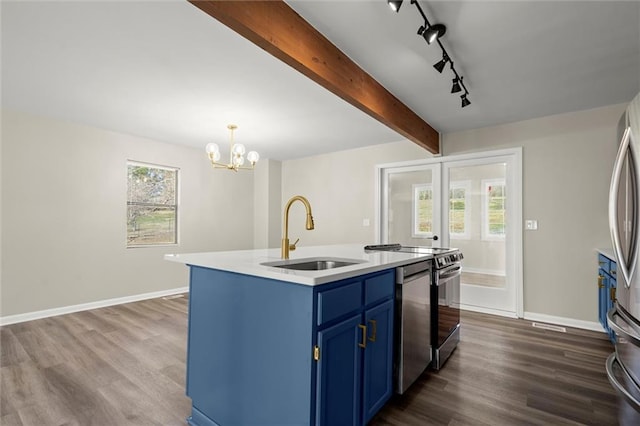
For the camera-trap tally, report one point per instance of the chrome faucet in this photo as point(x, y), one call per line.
point(286, 247)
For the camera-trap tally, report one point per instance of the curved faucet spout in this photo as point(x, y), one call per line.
point(285, 247)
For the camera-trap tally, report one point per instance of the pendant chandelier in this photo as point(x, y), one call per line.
point(236, 154)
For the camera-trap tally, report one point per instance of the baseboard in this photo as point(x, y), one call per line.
point(569, 322)
point(30, 316)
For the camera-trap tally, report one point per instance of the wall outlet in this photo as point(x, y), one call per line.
point(531, 225)
point(365, 222)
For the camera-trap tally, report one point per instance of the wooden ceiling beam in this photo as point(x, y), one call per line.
point(278, 29)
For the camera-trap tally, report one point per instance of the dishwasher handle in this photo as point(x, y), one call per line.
point(417, 276)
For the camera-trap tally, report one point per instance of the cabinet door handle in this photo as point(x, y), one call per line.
point(364, 336)
point(612, 272)
point(612, 294)
point(600, 278)
point(374, 330)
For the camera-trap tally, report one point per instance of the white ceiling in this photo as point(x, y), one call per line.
point(167, 71)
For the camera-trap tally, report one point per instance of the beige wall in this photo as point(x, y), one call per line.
point(64, 193)
point(341, 188)
point(64, 214)
point(267, 204)
point(567, 163)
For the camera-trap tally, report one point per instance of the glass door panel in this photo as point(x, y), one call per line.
point(477, 217)
point(411, 205)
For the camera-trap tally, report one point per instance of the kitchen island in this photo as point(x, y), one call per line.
point(269, 345)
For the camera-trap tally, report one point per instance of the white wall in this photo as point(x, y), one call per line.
point(64, 214)
point(341, 188)
point(567, 164)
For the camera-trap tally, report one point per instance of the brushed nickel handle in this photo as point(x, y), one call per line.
point(619, 387)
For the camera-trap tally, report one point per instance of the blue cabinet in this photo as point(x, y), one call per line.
point(263, 351)
point(606, 290)
point(355, 365)
point(378, 359)
point(339, 374)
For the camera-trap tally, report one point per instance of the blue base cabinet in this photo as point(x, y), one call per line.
point(606, 291)
point(267, 352)
point(339, 374)
point(378, 359)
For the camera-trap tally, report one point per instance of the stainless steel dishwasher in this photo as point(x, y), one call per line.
point(413, 323)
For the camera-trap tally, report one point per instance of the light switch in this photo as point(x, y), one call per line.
point(531, 225)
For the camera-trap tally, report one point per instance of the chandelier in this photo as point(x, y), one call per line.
point(236, 154)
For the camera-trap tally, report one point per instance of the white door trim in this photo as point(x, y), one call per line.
point(515, 181)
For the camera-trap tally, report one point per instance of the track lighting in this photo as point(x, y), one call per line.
point(440, 65)
point(432, 34)
point(465, 101)
point(456, 86)
point(394, 5)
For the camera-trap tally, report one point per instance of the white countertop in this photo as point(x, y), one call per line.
point(248, 262)
point(608, 252)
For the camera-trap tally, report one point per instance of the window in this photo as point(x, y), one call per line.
point(422, 210)
point(494, 209)
point(459, 209)
point(152, 205)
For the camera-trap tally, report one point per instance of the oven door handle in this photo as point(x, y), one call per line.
point(449, 275)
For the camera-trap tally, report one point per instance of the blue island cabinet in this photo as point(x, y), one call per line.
point(269, 352)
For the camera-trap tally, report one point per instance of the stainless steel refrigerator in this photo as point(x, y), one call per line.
point(623, 366)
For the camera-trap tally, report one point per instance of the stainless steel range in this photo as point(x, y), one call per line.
point(444, 300)
point(445, 305)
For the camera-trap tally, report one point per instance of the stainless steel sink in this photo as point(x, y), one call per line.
point(313, 264)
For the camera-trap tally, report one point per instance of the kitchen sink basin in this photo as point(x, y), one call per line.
point(313, 264)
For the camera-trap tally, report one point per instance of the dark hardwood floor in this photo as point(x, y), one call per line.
point(506, 372)
point(125, 365)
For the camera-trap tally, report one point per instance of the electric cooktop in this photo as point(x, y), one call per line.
point(409, 249)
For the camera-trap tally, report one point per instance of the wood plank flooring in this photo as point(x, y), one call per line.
point(505, 372)
point(125, 365)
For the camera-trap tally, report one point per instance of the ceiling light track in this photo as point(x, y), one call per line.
point(431, 34)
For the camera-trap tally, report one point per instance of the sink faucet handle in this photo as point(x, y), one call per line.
point(292, 247)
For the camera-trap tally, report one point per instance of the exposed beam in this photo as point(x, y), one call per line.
point(279, 30)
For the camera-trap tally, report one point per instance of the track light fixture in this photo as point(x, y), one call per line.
point(465, 101)
point(394, 5)
point(456, 85)
point(432, 34)
point(440, 65)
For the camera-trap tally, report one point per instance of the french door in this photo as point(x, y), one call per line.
point(471, 202)
point(411, 211)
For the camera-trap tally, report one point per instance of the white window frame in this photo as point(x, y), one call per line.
point(466, 185)
point(486, 183)
point(415, 231)
point(176, 205)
